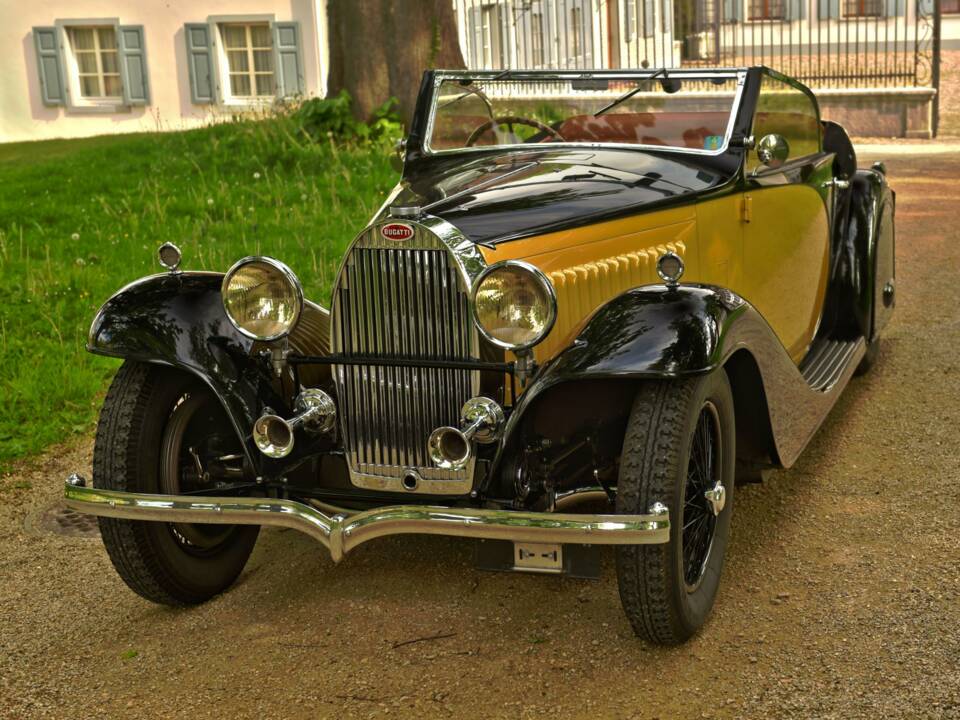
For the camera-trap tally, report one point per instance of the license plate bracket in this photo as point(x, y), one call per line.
point(579, 561)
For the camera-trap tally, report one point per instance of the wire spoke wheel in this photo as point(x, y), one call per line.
point(188, 444)
point(679, 449)
point(703, 473)
point(163, 432)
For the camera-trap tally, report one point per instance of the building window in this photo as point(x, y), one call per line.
point(536, 39)
point(949, 6)
point(94, 51)
point(862, 8)
point(767, 10)
point(576, 20)
point(249, 50)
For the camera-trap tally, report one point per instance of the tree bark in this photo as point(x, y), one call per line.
point(380, 48)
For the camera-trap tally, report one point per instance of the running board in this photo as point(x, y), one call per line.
point(827, 360)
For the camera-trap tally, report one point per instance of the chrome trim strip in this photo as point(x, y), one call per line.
point(341, 534)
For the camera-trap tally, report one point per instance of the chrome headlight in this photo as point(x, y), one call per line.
point(514, 304)
point(262, 297)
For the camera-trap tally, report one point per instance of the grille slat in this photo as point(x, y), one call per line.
point(401, 301)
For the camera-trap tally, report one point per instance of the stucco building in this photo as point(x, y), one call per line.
point(74, 69)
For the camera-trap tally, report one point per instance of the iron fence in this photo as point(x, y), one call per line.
point(825, 43)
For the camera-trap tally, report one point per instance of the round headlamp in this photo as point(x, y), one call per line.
point(262, 297)
point(514, 305)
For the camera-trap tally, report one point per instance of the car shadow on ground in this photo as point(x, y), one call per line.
point(289, 569)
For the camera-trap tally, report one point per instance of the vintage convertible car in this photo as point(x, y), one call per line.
point(594, 302)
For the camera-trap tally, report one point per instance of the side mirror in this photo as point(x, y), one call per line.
point(399, 153)
point(773, 150)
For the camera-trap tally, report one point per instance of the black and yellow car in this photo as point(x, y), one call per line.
point(594, 303)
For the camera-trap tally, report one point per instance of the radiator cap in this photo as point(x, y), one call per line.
point(405, 211)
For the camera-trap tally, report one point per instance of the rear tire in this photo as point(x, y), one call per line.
point(134, 451)
point(680, 441)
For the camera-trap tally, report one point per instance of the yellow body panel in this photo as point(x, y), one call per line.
point(766, 245)
point(590, 266)
point(786, 259)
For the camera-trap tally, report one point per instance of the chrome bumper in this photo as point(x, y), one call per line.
point(340, 534)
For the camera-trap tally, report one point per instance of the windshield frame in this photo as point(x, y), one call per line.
point(441, 76)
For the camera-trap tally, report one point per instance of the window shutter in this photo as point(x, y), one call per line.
point(49, 66)
point(286, 48)
point(629, 20)
point(829, 9)
point(733, 10)
point(925, 8)
point(133, 65)
point(200, 63)
point(649, 18)
point(795, 9)
point(475, 25)
point(897, 8)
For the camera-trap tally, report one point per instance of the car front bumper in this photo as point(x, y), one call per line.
point(341, 533)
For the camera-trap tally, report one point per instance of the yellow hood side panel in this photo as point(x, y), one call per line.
point(589, 267)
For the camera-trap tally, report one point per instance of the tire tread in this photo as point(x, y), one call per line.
point(656, 424)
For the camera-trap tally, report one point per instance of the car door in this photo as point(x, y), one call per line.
point(785, 210)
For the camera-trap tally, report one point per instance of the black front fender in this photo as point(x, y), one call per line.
point(178, 319)
point(653, 332)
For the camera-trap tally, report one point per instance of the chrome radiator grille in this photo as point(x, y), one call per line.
point(403, 300)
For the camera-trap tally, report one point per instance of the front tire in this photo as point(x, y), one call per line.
point(155, 424)
point(679, 450)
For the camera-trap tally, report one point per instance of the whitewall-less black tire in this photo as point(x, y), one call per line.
point(679, 443)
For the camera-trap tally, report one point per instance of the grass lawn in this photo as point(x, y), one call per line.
point(81, 218)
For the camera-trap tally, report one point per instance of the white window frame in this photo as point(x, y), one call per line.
point(222, 64)
point(75, 100)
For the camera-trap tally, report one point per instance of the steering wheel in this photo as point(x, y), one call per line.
point(509, 121)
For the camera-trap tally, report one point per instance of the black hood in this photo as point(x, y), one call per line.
point(503, 196)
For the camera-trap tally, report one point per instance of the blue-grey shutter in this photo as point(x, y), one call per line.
point(200, 63)
point(649, 18)
point(133, 65)
point(475, 31)
point(732, 10)
point(49, 66)
point(896, 8)
point(586, 32)
point(795, 9)
point(829, 9)
point(550, 47)
point(926, 7)
point(629, 20)
point(286, 49)
point(666, 17)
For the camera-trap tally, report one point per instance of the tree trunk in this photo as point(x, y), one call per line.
point(380, 48)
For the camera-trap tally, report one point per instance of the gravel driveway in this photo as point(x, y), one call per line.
point(841, 595)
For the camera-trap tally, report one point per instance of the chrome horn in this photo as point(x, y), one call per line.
point(481, 420)
point(316, 412)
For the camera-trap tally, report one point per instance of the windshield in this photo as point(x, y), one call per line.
point(690, 112)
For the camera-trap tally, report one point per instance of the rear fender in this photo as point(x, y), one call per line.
point(863, 260)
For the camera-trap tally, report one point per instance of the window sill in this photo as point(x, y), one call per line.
point(98, 108)
point(249, 104)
